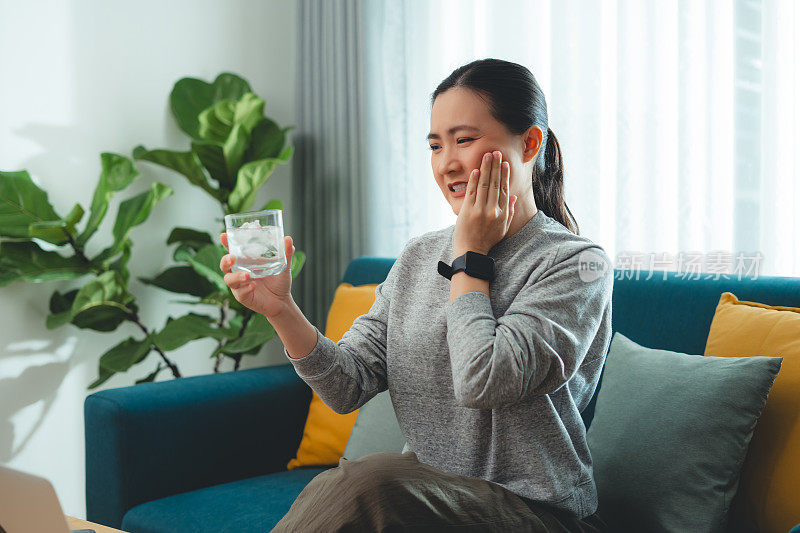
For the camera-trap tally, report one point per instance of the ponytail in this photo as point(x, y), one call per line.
point(548, 185)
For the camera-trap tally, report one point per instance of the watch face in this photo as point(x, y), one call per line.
point(479, 265)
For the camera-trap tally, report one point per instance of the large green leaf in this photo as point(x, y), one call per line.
point(126, 354)
point(266, 140)
point(103, 303)
point(57, 231)
point(135, 211)
point(249, 111)
point(105, 316)
point(257, 332)
point(251, 177)
point(26, 261)
point(223, 161)
point(234, 148)
point(21, 204)
point(217, 121)
point(178, 332)
point(213, 158)
point(210, 256)
point(121, 264)
point(60, 309)
point(194, 238)
point(118, 172)
point(191, 96)
point(183, 280)
point(272, 204)
point(298, 260)
point(186, 163)
point(225, 128)
point(108, 287)
point(205, 262)
point(54, 321)
point(62, 302)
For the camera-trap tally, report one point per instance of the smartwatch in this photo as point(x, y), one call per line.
point(472, 263)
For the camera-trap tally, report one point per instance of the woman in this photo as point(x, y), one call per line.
point(487, 374)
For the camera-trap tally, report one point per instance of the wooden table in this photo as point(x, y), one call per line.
point(77, 523)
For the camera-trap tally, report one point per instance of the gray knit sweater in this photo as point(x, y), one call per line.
point(486, 386)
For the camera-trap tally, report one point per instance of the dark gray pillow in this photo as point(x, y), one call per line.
point(376, 429)
point(670, 433)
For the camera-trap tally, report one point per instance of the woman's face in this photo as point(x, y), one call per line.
point(455, 151)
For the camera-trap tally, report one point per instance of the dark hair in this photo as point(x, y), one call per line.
point(514, 98)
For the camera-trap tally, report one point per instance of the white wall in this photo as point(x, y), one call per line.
point(79, 78)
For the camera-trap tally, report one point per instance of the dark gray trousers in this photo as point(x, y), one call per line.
point(389, 491)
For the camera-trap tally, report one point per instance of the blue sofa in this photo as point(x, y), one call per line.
point(208, 453)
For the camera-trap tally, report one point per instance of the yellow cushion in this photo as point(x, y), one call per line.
point(326, 431)
point(768, 498)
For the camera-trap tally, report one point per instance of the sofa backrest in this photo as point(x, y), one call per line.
point(368, 269)
point(673, 311)
point(661, 309)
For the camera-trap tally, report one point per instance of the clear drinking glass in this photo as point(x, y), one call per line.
point(256, 240)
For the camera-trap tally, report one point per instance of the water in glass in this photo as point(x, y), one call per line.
point(257, 245)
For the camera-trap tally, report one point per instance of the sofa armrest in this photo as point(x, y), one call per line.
point(153, 440)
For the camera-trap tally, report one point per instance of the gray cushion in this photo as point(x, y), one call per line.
point(376, 429)
point(670, 433)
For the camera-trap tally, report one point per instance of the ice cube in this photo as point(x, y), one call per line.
point(254, 249)
point(253, 224)
point(254, 241)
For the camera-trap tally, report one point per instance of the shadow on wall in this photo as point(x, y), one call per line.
point(23, 391)
point(35, 362)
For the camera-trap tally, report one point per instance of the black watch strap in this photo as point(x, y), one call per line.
point(474, 264)
point(445, 270)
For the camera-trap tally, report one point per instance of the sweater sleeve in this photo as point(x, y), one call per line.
point(538, 344)
point(348, 373)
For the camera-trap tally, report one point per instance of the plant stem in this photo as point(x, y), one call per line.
point(223, 317)
point(218, 357)
point(223, 323)
point(237, 357)
point(175, 372)
point(247, 318)
point(79, 252)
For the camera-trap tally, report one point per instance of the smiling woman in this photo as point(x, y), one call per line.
point(487, 387)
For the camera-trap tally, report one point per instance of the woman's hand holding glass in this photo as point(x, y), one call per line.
point(270, 295)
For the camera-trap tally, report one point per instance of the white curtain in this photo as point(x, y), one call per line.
point(678, 120)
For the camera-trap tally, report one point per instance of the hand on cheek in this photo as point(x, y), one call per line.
point(487, 209)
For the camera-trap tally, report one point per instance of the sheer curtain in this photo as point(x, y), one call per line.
point(678, 121)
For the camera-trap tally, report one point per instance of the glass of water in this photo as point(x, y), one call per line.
point(256, 240)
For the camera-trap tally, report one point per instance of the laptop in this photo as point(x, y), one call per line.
point(28, 504)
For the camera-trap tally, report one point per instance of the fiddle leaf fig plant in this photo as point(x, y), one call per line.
point(233, 150)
